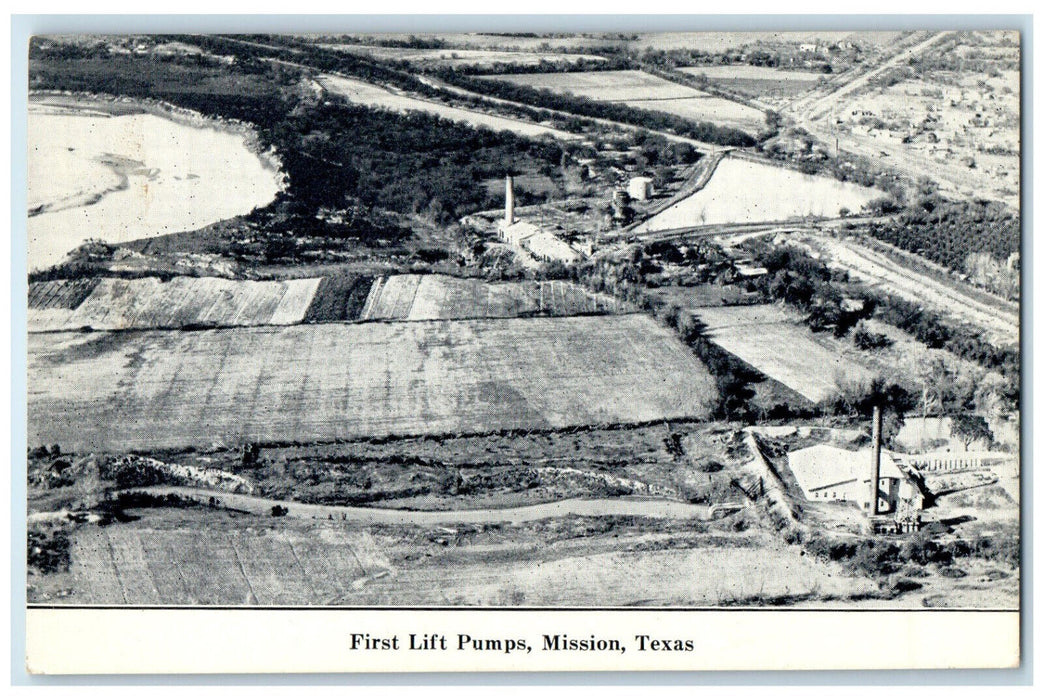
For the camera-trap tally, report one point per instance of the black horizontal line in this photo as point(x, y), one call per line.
point(328, 608)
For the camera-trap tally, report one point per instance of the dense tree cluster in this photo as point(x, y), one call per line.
point(945, 232)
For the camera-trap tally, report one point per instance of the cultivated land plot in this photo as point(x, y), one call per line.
point(644, 91)
point(605, 86)
point(764, 337)
point(433, 297)
point(209, 558)
point(225, 566)
point(374, 96)
point(117, 304)
point(311, 383)
point(708, 109)
point(704, 575)
point(764, 83)
point(338, 298)
point(60, 294)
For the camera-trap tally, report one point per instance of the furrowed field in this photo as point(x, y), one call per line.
point(156, 389)
point(769, 85)
point(213, 558)
point(644, 91)
point(210, 302)
point(431, 297)
point(766, 338)
point(116, 304)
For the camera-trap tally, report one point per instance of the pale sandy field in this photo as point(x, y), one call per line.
point(776, 345)
point(116, 304)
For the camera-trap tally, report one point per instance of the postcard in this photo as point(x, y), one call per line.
point(524, 351)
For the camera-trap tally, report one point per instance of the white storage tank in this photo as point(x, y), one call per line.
point(640, 188)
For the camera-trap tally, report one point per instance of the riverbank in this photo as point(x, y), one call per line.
point(119, 170)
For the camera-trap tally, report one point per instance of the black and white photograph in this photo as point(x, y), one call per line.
point(546, 320)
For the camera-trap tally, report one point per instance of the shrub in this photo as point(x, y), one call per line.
point(905, 585)
point(867, 340)
point(47, 549)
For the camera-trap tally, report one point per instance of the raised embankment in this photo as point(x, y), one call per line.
point(646, 508)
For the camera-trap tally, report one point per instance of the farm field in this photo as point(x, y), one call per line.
point(244, 560)
point(230, 566)
point(155, 389)
point(433, 297)
point(780, 194)
point(86, 180)
point(770, 85)
point(605, 86)
point(209, 302)
point(118, 304)
point(461, 57)
point(630, 577)
point(374, 96)
point(764, 337)
point(644, 91)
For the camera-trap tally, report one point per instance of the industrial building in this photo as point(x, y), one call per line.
point(542, 244)
point(827, 473)
point(957, 461)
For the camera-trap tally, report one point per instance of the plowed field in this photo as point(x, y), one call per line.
point(307, 383)
point(433, 297)
point(117, 304)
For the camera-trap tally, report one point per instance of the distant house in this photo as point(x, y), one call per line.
point(750, 271)
point(827, 473)
point(640, 188)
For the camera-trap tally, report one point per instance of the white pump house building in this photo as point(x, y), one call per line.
point(541, 244)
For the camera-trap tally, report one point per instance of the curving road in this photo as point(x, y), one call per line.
point(648, 508)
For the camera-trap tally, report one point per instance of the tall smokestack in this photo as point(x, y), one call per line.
point(509, 201)
point(875, 464)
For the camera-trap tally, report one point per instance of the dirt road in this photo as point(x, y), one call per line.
point(649, 508)
point(809, 108)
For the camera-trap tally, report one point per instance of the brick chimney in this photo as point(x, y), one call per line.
point(875, 461)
